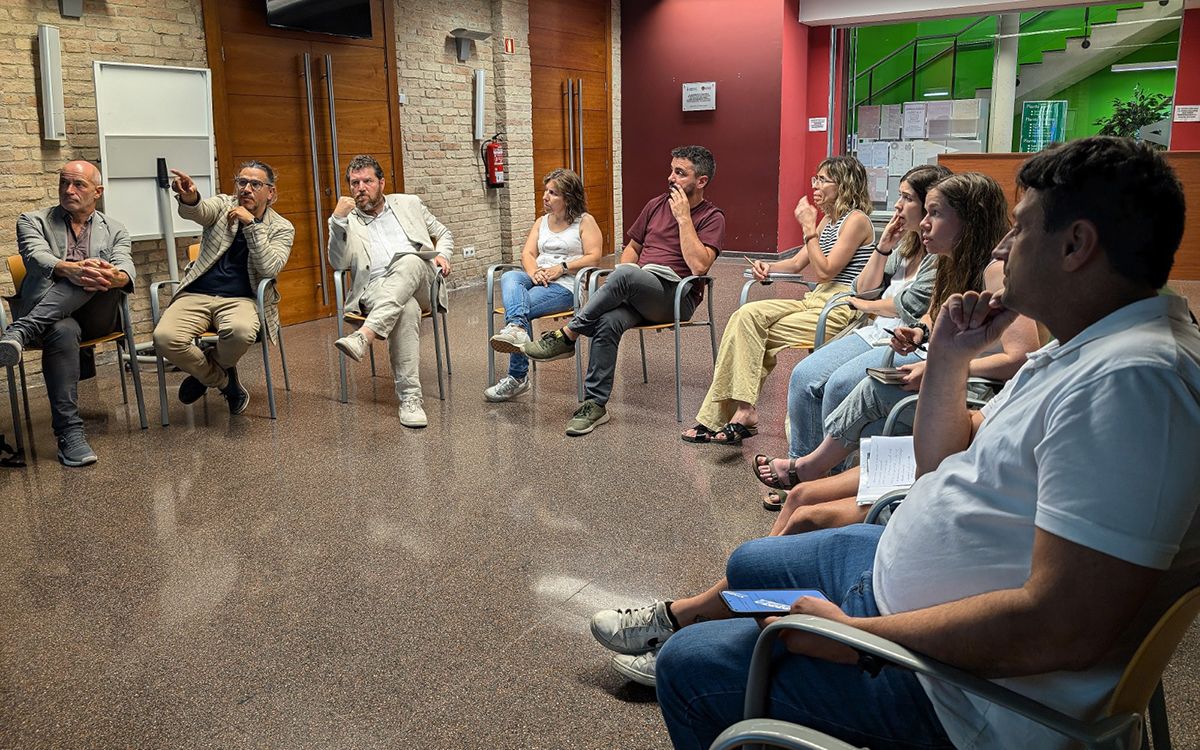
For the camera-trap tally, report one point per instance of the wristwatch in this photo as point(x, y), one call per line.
point(564, 266)
point(924, 330)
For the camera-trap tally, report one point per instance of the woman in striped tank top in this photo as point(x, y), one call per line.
point(836, 249)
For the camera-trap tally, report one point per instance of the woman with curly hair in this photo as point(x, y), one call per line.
point(836, 249)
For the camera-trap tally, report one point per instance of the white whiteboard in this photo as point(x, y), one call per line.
point(147, 112)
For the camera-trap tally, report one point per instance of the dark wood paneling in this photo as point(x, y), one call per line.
point(549, 84)
point(267, 126)
point(257, 65)
point(573, 16)
point(358, 73)
point(570, 51)
point(1003, 169)
point(300, 295)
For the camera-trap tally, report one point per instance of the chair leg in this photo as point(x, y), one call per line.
point(121, 371)
point(14, 406)
point(266, 354)
point(678, 381)
point(25, 397)
point(446, 341)
point(437, 352)
point(712, 328)
point(134, 373)
point(287, 384)
point(1157, 712)
point(371, 349)
point(642, 344)
point(343, 393)
point(162, 387)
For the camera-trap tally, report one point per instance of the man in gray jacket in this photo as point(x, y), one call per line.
point(77, 264)
point(392, 247)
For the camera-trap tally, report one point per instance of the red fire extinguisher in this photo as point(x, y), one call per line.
point(493, 161)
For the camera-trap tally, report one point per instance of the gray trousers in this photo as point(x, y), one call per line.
point(62, 318)
point(629, 297)
point(393, 304)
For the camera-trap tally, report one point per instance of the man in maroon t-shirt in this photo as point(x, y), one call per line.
point(678, 234)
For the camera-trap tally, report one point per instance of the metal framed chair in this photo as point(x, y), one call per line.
point(493, 273)
point(1120, 725)
point(14, 404)
point(441, 335)
point(123, 338)
point(595, 275)
point(193, 253)
point(838, 300)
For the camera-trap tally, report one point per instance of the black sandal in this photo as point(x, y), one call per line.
point(775, 482)
point(734, 433)
point(702, 435)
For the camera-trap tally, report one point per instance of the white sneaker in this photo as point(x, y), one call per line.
point(412, 412)
point(639, 668)
point(507, 388)
point(353, 346)
point(510, 339)
point(633, 631)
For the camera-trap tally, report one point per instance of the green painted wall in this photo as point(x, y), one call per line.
point(1092, 98)
point(1089, 99)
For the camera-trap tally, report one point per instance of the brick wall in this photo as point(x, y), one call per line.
point(156, 32)
point(441, 159)
point(618, 223)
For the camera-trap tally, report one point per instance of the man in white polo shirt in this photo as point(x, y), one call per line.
point(1043, 538)
point(392, 246)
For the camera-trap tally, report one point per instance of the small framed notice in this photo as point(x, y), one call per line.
point(818, 124)
point(699, 96)
point(1187, 113)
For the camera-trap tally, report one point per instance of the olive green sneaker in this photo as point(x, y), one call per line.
point(552, 345)
point(588, 417)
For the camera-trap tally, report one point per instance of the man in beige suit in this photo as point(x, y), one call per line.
point(392, 247)
point(244, 241)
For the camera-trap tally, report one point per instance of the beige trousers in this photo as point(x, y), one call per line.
point(393, 304)
point(190, 315)
point(754, 336)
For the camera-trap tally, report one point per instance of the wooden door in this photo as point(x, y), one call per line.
point(272, 101)
point(570, 57)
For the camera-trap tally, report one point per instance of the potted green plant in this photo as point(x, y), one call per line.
point(1130, 116)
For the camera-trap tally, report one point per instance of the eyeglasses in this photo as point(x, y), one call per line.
point(820, 180)
point(241, 182)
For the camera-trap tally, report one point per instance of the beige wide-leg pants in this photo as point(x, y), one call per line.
point(191, 315)
point(754, 336)
point(393, 304)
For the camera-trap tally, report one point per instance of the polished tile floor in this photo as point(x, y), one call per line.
point(333, 580)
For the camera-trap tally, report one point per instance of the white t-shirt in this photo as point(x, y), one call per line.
point(1093, 441)
point(873, 333)
point(555, 248)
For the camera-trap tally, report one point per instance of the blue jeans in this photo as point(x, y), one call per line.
point(819, 383)
point(701, 671)
point(523, 300)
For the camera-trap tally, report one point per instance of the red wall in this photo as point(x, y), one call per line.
point(738, 44)
point(794, 172)
point(1185, 136)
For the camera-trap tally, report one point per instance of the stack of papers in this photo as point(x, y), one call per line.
point(885, 464)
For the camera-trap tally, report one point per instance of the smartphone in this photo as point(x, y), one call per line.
point(764, 602)
point(889, 375)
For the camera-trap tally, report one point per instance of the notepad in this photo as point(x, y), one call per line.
point(658, 269)
point(886, 463)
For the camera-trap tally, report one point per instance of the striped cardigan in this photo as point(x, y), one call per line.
point(269, 244)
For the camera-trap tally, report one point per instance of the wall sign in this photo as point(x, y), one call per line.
point(510, 45)
point(699, 96)
point(1187, 113)
point(818, 124)
point(1043, 123)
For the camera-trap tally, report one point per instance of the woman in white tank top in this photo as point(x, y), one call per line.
point(563, 240)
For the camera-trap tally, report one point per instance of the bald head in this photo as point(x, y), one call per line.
point(79, 188)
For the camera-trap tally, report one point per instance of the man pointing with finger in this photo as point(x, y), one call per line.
point(244, 241)
point(392, 247)
point(77, 265)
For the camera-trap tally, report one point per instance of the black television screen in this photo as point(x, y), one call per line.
point(338, 17)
